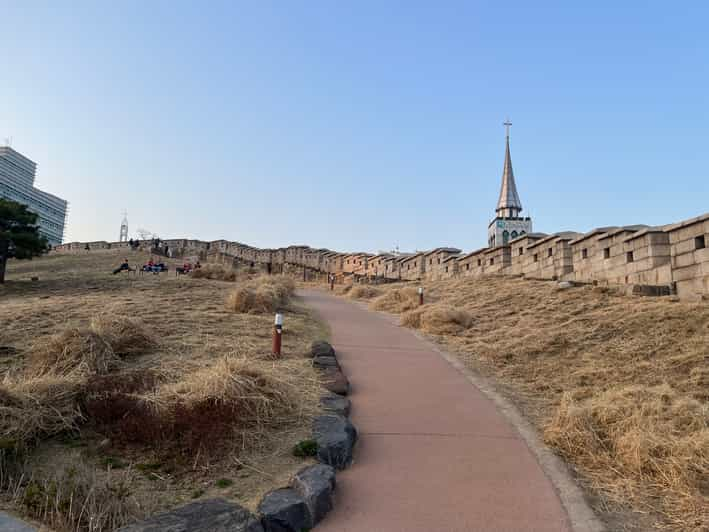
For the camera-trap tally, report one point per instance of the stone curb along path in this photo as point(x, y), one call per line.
point(308, 498)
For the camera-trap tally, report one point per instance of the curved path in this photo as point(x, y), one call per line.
point(434, 453)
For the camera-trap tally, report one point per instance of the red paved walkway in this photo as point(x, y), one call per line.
point(434, 454)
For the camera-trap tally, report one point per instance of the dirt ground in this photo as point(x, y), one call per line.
point(617, 385)
point(188, 320)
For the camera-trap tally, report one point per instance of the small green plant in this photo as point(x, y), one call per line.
point(196, 494)
point(148, 467)
point(305, 448)
point(224, 483)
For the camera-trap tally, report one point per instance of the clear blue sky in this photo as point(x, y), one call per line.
point(358, 125)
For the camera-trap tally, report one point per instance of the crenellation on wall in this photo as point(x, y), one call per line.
point(675, 255)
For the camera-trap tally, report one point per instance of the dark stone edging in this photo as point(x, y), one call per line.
point(307, 500)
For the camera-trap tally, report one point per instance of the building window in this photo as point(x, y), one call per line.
point(480, 262)
point(521, 233)
point(629, 256)
point(606, 253)
point(536, 257)
point(439, 261)
point(467, 266)
point(430, 261)
point(505, 237)
point(446, 269)
point(492, 261)
point(521, 251)
point(584, 253)
point(700, 242)
point(550, 252)
point(514, 235)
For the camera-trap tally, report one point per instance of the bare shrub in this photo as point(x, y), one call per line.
point(397, 300)
point(363, 291)
point(624, 432)
point(437, 319)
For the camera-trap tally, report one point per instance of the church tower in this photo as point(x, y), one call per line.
point(124, 228)
point(507, 224)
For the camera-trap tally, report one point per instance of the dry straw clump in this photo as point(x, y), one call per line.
point(397, 300)
point(651, 434)
point(215, 272)
point(261, 295)
point(96, 349)
point(37, 407)
point(437, 319)
point(363, 291)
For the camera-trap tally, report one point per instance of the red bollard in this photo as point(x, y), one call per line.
point(420, 295)
point(277, 334)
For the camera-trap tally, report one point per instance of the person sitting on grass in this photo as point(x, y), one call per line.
point(148, 267)
point(123, 267)
point(185, 269)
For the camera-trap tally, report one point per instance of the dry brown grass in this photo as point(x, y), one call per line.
point(216, 272)
point(197, 373)
point(264, 294)
point(618, 385)
point(363, 291)
point(397, 300)
point(437, 319)
point(37, 407)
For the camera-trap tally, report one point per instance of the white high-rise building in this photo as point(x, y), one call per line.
point(17, 174)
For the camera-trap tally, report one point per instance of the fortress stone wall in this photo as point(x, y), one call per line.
point(674, 258)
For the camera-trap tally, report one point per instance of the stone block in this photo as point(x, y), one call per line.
point(336, 437)
point(213, 515)
point(336, 382)
point(284, 510)
point(316, 484)
point(686, 273)
point(336, 404)
point(325, 362)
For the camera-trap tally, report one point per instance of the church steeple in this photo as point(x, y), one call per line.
point(508, 223)
point(508, 205)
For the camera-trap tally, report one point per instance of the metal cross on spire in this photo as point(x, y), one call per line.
point(507, 125)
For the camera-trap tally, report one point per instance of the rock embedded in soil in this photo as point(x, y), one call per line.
point(213, 515)
point(336, 404)
point(315, 484)
point(336, 437)
point(284, 510)
point(336, 382)
point(325, 362)
point(321, 348)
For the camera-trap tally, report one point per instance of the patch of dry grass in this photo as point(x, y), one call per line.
point(363, 291)
point(397, 300)
point(216, 272)
point(264, 294)
point(618, 385)
point(437, 319)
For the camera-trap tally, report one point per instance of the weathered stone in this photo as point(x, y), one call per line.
point(336, 382)
point(336, 437)
point(321, 348)
point(336, 404)
point(284, 510)
point(325, 362)
point(315, 484)
point(562, 285)
point(213, 515)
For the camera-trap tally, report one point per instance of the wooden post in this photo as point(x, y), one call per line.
point(420, 295)
point(4, 248)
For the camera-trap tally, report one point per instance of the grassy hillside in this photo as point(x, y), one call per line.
point(130, 394)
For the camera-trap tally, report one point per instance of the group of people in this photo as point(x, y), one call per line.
point(156, 267)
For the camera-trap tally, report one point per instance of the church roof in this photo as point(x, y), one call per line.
point(509, 199)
